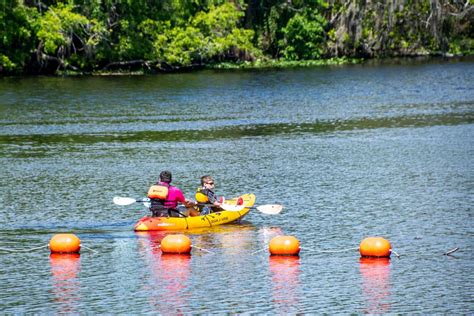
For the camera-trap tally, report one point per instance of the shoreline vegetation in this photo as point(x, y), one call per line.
point(109, 37)
point(276, 64)
point(245, 65)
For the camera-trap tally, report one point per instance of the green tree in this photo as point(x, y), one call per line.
point(304, 36)
point(86, 35)
point(17, 35)
point(209, 36)
point(67, 38)
point(224, 39)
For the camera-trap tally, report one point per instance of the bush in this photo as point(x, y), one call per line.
point(304, 36)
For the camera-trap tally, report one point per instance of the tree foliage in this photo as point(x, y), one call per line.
point(207, 37)
point(69, 36)
point(91, 35)
point(303, 36)
point(17, 35)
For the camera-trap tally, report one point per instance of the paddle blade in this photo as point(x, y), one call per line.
point(123, 200)
point(271, 209)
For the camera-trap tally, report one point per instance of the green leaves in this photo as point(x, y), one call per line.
point(17, 35)
point(304, 36)
point(184, 46)
point(64, 33)
point(208, 36)
point(89, 35)
point(223, 39)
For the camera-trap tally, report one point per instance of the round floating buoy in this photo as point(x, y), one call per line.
point(176, 244)
point(284, 245)
point(375, 247)
point(65, 243)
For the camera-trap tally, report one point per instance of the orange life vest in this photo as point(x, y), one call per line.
point(158, 191)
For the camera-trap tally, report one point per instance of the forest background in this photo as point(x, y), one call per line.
point(149, 36)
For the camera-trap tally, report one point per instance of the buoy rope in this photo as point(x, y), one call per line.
point(202, 249)
point(330, 251)
point(395, 253)
point(451, 251)
point(255, 252)
point(447, 253)
point(23, 250)
point(94, 251)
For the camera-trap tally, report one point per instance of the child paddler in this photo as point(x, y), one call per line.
point(207, 199)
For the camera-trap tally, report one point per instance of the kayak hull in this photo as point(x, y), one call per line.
point(148, 223)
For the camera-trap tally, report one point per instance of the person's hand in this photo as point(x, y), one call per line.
point(189, 203)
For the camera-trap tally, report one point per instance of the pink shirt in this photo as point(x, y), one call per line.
point(174, 196)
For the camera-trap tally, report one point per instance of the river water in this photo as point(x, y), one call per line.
point(350, 151)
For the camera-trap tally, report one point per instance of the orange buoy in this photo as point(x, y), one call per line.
point(284, 245)
point(375, 247)
point(176, 244)
point(65, 243)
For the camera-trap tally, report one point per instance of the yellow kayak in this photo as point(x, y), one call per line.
point(148, 223)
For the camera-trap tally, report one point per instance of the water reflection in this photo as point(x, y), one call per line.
point(285, 271)
point(150, 241)
point(231, 239)
point(267, 233)
point(66, 286)
point(64, 136)
point(169, 275)
point(375, 274)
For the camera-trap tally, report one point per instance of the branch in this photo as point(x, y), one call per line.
point(463, 13)
point(129, 63)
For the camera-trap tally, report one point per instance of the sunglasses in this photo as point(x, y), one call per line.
point(210, 183)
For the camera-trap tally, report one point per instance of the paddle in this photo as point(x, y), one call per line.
point(128, 201)
point(270, 209)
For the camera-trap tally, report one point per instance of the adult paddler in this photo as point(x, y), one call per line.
point(164, 198)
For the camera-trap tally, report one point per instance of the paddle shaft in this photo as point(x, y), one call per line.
point(271, 209)
point(211, 205)
point(258, 208)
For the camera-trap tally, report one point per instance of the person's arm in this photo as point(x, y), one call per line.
point(182, 199)
point(189, 203)
point(214, 200)
point(211, 196)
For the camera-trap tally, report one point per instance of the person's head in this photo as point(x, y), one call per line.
point(207, 181)
point(165, 176)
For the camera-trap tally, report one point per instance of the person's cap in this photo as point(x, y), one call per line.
point(165, 176)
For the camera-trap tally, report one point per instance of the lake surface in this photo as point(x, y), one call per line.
point(350, 151)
